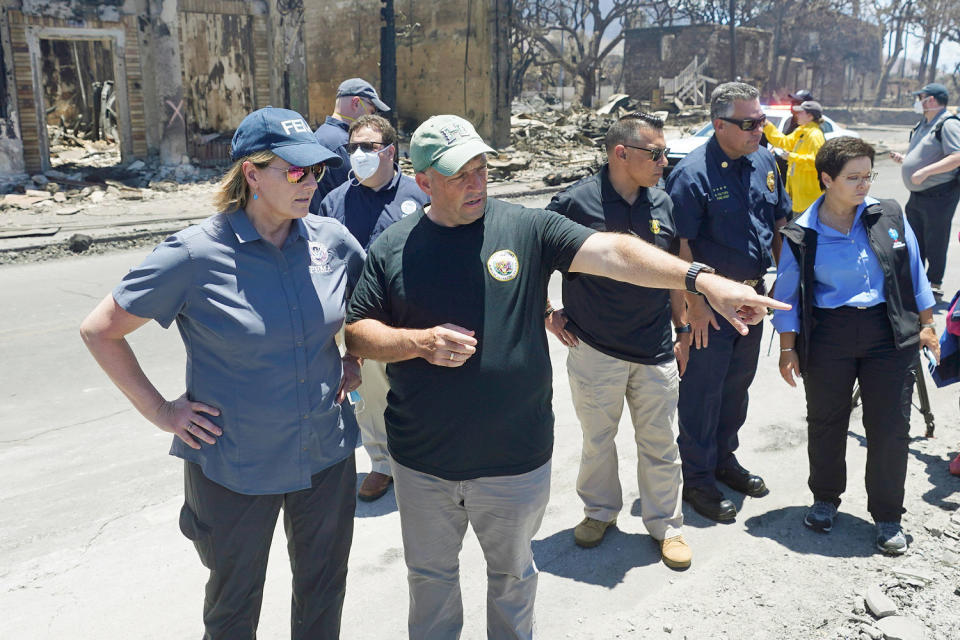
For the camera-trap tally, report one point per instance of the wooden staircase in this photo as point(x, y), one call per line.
point(689, 87)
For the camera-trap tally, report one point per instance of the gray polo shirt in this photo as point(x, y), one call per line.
point(258, 325)
point(924, 150)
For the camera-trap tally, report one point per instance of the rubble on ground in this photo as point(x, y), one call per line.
point(911, 596)
point(561, 145)
point(73, 188)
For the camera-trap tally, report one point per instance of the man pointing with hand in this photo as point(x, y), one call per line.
point(452, 298)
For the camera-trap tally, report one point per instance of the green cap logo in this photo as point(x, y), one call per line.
point(445, 143)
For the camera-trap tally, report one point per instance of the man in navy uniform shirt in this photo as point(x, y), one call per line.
point(728, 203)
point(376, 196)
point(355, 97)
point(621, 343)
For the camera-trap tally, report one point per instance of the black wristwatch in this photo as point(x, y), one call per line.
point(695, 269)
point(684, 329)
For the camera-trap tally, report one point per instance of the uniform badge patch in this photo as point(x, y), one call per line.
point(503, 265)
point(655, 227)
point(895, 236)
point(407, 207)
point(771, 181)
point(320, 257)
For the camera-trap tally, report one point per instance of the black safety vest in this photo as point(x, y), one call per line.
point(879, 219)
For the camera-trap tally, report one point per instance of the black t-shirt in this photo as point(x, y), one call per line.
point(616, 318)
point(493, 415)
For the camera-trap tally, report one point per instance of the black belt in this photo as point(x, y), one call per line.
point(939, 189)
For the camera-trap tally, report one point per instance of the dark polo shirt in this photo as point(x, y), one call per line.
point(368, 212)
point(616, 318)
point(728, 209)
point(333, 134)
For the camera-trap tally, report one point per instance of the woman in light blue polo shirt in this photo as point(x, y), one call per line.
point(258, 292)
point(862, 306)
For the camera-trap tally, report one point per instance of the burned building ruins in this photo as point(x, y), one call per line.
point(173, 78)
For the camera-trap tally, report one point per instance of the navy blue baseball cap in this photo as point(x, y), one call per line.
point(284, 132)
point(936, 90)
point(362, 88)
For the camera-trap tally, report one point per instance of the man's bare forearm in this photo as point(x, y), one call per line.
point(630, 259)
point(943, 165)
point(377, 341)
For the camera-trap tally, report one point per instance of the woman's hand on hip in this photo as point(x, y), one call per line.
point(182, 418)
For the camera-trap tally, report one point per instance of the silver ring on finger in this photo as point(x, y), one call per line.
point(451, 355)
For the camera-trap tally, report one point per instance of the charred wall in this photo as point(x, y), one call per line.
point(652, 53)
point(452, 57)
point(27, 24)
point(226, 70)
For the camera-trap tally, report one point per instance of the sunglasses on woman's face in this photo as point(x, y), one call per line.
point(747, 124)
point(297, 174)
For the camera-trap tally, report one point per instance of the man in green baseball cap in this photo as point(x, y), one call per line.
point(452, 297)
point(446, 146)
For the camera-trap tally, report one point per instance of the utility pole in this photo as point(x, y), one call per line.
point(388, 59)
point(733, 40)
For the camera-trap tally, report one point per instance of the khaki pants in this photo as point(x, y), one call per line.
point(505, 513)
point(373, 402)
point(599, 384)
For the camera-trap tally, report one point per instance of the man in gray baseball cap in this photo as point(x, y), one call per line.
point(929, 171)
point(355, 97)
point(452, 297)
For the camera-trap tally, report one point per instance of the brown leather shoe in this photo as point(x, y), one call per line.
point(675, 553)
point(589, 533)
point(374, 486)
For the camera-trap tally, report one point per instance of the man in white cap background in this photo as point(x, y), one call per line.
point(376, 196)
point(355, 97)
point(452, 298)
point(929, 171)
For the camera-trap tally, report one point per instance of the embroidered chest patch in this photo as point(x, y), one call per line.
point(503, 265)
point(321, 258)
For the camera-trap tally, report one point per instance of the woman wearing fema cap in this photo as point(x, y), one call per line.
point(799, 149)
point(258, 293)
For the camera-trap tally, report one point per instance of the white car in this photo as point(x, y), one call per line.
point(779, 115)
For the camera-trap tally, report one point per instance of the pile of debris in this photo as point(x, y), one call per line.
point(914, 602)
point(71, 189)
point(558, 145)
point(74, 148)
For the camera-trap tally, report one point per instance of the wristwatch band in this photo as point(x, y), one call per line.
point(684, 329)
point(692, 272)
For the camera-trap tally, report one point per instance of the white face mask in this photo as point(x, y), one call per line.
point(918, 106)
point(365, 163)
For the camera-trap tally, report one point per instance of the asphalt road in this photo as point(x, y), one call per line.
point(90, 548)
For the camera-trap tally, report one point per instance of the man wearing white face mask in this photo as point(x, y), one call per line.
point(930, 169)
point(375, 196)
point(355, 98)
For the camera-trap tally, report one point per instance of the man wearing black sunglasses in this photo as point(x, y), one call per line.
point(729, 202)
point(627, 351)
